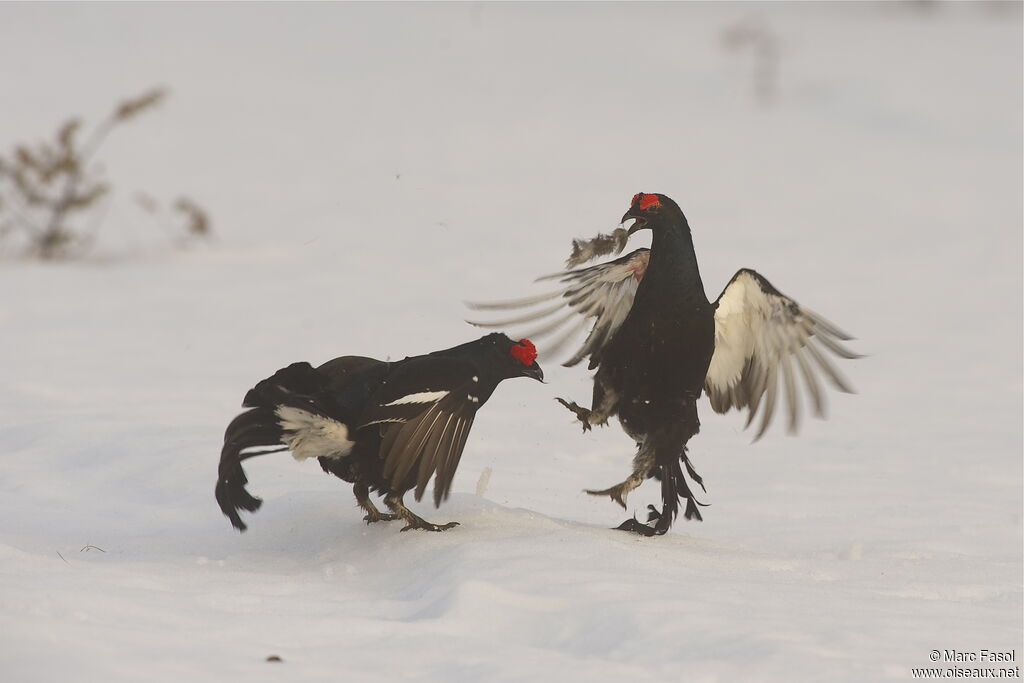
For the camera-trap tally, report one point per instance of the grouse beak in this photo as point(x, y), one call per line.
point(639, 222)
point(534, 371)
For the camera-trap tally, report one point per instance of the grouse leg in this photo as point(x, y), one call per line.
point(586, 417)
point(603, 403)
point(642, 464)
point(673, 482)
point(362, 493)
point(413, 521)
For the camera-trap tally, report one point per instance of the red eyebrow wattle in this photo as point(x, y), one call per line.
point(645, 200)
point(524, 351)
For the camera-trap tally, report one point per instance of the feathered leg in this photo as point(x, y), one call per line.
point(362, 493)
point(669, 447)
point(602, 405)
point(642, 465)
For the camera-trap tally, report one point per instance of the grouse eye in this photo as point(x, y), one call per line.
point(524, 351)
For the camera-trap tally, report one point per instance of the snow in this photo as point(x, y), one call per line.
point(370, 167)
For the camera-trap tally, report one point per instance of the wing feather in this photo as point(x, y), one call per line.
point(430, 444)
point(811, 382)
point(600, 295)
point(408, 444)
point(427, 457)
point(834, 376)
point(424, 412)
point(792, 402)
point(442, 454)
point(450, 459)
point(528, 317)
point(771, 388)
point(519, 303)
point(760, 334)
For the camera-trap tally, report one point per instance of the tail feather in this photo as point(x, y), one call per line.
point(671, 460)
point(293, 385)
point(258, 431)
point(261, 429)
point(295, 409)
point(254, 428)
point(674, 486)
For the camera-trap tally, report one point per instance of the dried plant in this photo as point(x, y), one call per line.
point(53, 194)
point(755, 35)
point(197, 222)
point(184, 218)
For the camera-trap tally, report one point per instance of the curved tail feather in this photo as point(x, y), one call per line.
point(259, 430)
point(255, 428)
point(675, 487)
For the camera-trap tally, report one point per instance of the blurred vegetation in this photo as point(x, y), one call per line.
point(754, 35)
point(53, 195)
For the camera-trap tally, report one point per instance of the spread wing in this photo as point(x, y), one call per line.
point(425, 410)
point(760, 335)
point(601, 295)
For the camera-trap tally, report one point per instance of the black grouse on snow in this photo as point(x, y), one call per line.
point(657, 343)
point(381, 426)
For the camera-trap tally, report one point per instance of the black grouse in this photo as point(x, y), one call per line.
point(381, 426)
point(657, 343)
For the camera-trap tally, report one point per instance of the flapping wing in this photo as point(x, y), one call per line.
point(425, 423)
point(601, 294)
point(760, 334)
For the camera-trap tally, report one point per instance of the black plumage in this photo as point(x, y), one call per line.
point(387, 427)
point(657, 343)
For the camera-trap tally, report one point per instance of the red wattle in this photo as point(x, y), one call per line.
point(645, 201)
point(524, 351)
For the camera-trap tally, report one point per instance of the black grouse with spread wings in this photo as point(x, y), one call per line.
point(657, 343)
point(386, 427)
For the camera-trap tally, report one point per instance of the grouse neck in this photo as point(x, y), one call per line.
point(673, 260)
point(478, 354)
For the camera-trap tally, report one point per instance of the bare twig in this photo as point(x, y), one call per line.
point(43, 185)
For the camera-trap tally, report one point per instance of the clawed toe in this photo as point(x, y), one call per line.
point(658, 517)
point(633, 526)
point(412, 520)
point(616, 493)
point(582, 414)
point(379, 517)
point(424, 525)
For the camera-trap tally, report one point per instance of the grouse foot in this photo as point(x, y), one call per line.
point(412, 520)
point(632, 525)
point(424, 525)
point(617, 493)
point(582, 414)
point(661, 520)
point(377, 516)
point(362, 493)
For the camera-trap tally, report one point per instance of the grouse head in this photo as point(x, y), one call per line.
point(512, 358)
point(649, 210)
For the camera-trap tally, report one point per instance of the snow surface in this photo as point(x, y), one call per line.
point(370, 167)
